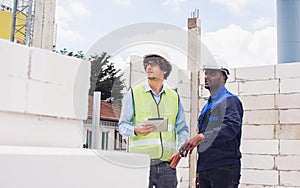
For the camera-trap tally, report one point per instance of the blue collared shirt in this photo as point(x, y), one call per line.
point(220, 121)
point(126, 127)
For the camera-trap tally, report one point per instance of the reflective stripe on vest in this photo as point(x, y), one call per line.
point(146, 107)
point(154, 141)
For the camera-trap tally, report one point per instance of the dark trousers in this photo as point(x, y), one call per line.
point(162, 175)
point(222, 177)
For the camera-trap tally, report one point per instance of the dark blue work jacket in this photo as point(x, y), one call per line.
point(221, 123)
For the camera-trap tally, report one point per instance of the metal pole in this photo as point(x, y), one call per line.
point(29, 22)
point(13, 22)
point(96, 120)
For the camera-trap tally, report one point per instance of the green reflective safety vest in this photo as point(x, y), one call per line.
point(159, 145)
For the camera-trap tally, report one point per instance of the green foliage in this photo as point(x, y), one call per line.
point(79, 54)
point(104, 76)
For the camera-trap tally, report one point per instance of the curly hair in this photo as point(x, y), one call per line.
point(162, 63)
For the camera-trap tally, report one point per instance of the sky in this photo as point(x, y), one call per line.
point(241, 33)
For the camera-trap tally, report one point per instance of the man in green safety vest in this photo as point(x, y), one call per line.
point(153, 100)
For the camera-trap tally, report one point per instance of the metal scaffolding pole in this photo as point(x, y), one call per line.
point(22, 22)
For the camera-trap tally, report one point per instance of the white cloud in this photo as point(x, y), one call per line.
point(173, 3)
point(123, 2)
point(241, 48)
point(261, 23)
point(64, 16)
point(78, 9)
point(234, 5)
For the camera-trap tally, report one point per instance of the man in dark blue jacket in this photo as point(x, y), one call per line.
point(219, 134)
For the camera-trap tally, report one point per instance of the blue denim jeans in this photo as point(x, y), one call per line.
point(162, 175)
point(222, 177)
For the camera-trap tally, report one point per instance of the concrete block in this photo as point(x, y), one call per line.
point(258, 132)
point(183, 163)
point(184, 76)
point(232, 76)
point(51, 67)
point(183, 184)
point(136, 63)
point(80, 103)
point(290, 147)
point(202, 102)
point(182, 174)
point(233, 87)
point(254, 186)
point(290, 178)
point(82, 75)
point(287, 70)
point(186, 103)
point(288, 100)
point(57, 167)
point(258, 102)
point(259, 87)
point(188, 118)
point(288, 162)
point(288, 132)
point(173, 78)
point(204, 93)
point(265, 162)
point(255, 73)
point(50, 100)
point(259, 117)
point(259, 177)
point(14, 59)
point(289, 116)
point(260, 147)
point(289, 85)
point(31, 130)
point(184, 90)
point(13, 94)
point(138, 78)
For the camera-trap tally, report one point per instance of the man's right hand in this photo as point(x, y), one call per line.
point(188, 147)
point(144, 130)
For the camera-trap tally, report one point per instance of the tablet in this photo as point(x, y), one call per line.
point(161, 124)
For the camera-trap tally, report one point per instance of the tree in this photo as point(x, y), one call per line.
point(106, 78)
point(79, 54)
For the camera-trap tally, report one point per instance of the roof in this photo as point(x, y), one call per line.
point(108, 111)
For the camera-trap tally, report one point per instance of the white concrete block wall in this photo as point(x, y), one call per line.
point(253, 161)
point(269, 147)
point(288, 132)
point(258, 102)
point(258, 117)
point(263, 132)
point(289, 85)
point(42, 87)
point(259, 87)
point(260, 177)
point(288, 101)
point(271, 131)
point(255, 73)
point(71, 168)
point(287, 70)
point(43, 103)
point(14, 59)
